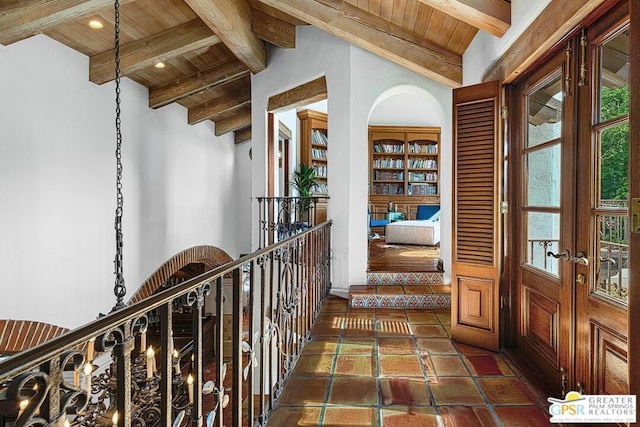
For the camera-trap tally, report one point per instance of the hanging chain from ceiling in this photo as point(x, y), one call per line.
point(119, 289)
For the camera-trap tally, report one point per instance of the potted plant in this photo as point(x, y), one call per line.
point(304, 179)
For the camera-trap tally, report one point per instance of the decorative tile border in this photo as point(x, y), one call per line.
point(429, 301)
point(417, 278)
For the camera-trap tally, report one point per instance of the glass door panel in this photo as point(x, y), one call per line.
point(612, 186)
point(543, 160)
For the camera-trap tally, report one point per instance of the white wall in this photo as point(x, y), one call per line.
point(57, 185)
point(243, 197)
point(357, 81)
point(486, 48)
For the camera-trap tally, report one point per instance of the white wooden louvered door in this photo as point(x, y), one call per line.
point(476, 216)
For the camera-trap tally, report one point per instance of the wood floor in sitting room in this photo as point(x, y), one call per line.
point(400, 258)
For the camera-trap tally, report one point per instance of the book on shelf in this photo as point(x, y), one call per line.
point(319, 153)
point(318, 137)
point(423, 163)
point(422, 189)
point(388, 148)
point(321, 170)
point(423, 176)
point(379, 188)
point(388, 176)
point(417, 148)
point(389, 163)
point(320, 189)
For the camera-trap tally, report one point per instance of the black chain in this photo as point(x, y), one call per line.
point(119, 289)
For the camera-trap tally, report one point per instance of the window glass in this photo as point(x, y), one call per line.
point(543, 235)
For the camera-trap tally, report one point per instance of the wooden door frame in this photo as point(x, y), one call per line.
point(634, 193)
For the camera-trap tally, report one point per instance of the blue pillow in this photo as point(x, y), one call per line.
point(378, 222)
point(428, 212)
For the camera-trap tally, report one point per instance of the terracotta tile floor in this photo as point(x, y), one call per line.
point(391, 367)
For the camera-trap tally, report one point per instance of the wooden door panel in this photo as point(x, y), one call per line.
point(609, 368)
point(476, 307)
point(541, 324)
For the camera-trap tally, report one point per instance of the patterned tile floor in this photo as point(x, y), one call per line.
point(391, 367)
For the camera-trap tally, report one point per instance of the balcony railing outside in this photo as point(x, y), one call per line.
point(613, 268)
point(285, 286)
point(281, 217)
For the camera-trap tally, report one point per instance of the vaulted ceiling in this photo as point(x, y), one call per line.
point(209, 48)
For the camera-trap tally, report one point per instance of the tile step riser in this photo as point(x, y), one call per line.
point(384, 278)
point(400, 301)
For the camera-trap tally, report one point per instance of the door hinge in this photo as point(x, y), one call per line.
point(635, 215)
point(504, 112)
point(504, 301)
point(504, 207)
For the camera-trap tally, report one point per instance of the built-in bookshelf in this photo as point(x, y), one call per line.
point(314, 143)
point(404, 166)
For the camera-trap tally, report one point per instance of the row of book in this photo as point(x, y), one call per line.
point(388, 148)
point(321, 170)
point(320, 188)
point(423, 176)
point(318, 153)
point(388, 188)
point(423, 149)
point(423, 163)
point(388, 163)
point(318, 137)
point(388, 176)
point(422, 189)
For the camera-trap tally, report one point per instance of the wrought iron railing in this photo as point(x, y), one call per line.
point(613, 280)
point(104, 374)
point(282, 217)
point(538, 249)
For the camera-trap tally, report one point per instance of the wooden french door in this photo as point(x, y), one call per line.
point(571, 153)
point(603, 201)
point(546, 222)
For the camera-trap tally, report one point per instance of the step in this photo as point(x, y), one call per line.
point(400, 296)
point(405, 278)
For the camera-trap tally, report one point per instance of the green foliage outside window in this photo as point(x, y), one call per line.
point(614, 166)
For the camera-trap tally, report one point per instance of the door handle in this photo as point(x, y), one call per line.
point(580, 258)
point(566, 255)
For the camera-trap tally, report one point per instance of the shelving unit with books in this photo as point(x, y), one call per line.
point(404, 167)
point(314, 145)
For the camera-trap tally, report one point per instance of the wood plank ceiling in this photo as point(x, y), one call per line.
point(209, 48)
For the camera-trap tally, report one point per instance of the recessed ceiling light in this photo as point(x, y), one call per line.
point(159, 65)
point(95, 24)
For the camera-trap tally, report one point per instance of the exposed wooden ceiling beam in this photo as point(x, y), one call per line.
point(145, 52)
point(243, 135)
point(220, 105)
point(313, 91)
point(196, 82)
point(273, 30)
point(238, 121)
point(23, 19)
point(231, 21)
point(492, 16)
point(275, 13)
point(555, 21)
point(378, 36)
